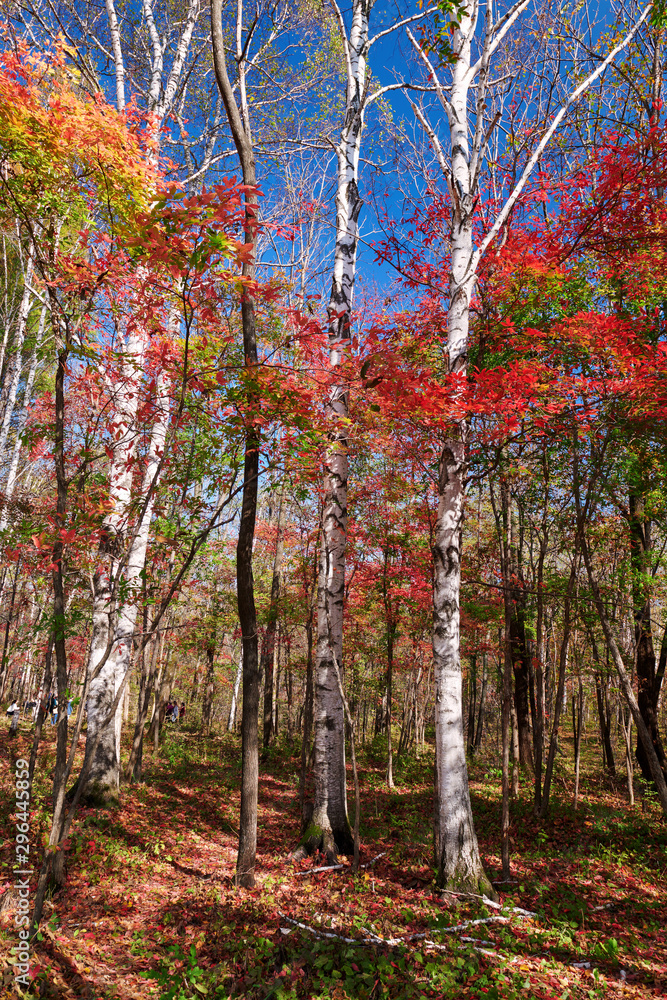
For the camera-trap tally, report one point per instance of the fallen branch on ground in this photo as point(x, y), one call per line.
point(335, 868)
point(371, 938)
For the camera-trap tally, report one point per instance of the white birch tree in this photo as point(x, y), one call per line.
point(329, 827)
point(477, 36)
point(109, 657)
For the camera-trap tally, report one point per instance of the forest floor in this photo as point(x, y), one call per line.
point(149, 909)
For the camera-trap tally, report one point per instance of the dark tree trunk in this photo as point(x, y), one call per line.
point(521, 668)
point(268, 647)
point(605, 725)
point(388, 717)
point(649, 679)
point(538, 721)
point(134, 770)
point(209, 685)
point(245, 588)
point(163, 683)
point(479, 730)
point(562, 667)
point(59, 631)
point(577, 724)
point(515, 618)
point(506, 678)
point(276, 700)
point(245, 867)
point(472, 702)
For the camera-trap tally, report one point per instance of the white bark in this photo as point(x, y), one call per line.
point(456, 847)
point(330, 825)
point(10, 292)
point(110, 620)
point(101, 665)
point(27, 400)
point(330, 820)
point(117, 48)
point(105, 769)
point(15, 367)
point(235, 694)
point(456, 850)
point(137, 556)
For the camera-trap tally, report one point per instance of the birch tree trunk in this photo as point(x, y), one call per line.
point(124, 632)
point(104, 772)
point(456, 849)
point(329, 828)
point(27, 400)
point(457, 853)
point(111, 624)
point(13, 375)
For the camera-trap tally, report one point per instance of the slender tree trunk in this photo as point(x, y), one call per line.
point(479, 729)
point(516, 754)
point(307, 722)
point(472, 702)
point(121, 654)
point(627, 740)
point(209, 685)
point(147, 681)
point(59, 632)
point(12, 378)
point(277, 674)
point(506, 544)
point(330, 827)
point(289, 687)
point(626, 683)
point(162, 690)
point(605, 725)
point(390, 672)
point(577, 723)
point(4, 666)
point(521, 670)
point(239, 122)
point(355, 774)
point(231, 721)
point(268, 649)
point(562, 668)
point(540, 645)
point(12, 474)
point(456, 848)
point(648, 679)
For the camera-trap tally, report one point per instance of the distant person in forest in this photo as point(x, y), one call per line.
point(181, 714)
point(14, 713)
point(52, 708)
point(168, 710)
point(174, 713)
